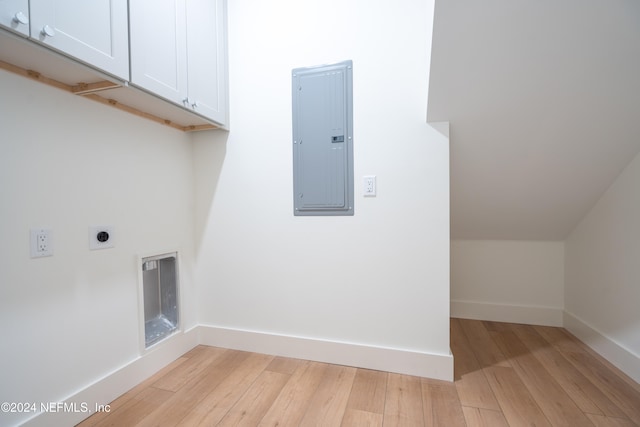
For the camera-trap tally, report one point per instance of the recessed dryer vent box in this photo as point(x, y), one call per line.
point(160, 297)
point(323, 139)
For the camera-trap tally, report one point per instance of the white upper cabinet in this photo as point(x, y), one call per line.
point(152, 51)
point(158, 47)
point(14, 15)
point(178, 51)
point(206, 54)
point(95, 32)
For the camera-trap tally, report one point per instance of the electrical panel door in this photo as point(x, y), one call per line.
point(323, 140)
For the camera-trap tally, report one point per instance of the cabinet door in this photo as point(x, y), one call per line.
point(158, 47)
point(207, 58)
point(95, 32)
point(14, 15)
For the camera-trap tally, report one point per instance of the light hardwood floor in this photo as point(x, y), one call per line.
point(505, 375)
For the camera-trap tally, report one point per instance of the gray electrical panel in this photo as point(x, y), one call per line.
point(323, 139)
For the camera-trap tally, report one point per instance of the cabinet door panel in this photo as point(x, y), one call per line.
point(158, 47)
point(12, 12)
point(95, 32)
point(206, 49)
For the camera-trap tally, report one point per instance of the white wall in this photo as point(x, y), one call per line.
point(602, 291)
point(67, 163)
point(508, 280)
point(542, 121)
point(378, 279)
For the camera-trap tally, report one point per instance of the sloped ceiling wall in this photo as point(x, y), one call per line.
point(543, 98)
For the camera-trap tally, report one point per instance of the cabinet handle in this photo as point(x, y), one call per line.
point(195, 105)
point(48, 31)
point(20, 18)
point(186, 102)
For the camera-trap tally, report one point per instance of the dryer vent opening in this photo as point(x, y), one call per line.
point(160, 296)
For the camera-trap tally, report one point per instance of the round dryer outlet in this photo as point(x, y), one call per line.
point(101, 237)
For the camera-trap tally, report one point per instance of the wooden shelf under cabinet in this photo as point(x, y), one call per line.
point(28, 59)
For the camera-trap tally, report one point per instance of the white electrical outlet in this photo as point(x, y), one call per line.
point(101, 237)
point(369, 186)
point(41, 242)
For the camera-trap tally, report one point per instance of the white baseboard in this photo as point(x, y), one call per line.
point(527, 314)
point(617, 354)
point(114, 384)
point(437, 366)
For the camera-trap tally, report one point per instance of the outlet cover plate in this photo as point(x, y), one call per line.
point(40, 242)
point(369, 186)
point(101, 237)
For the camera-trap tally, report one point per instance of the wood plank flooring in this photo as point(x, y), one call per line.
point(505, 375)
